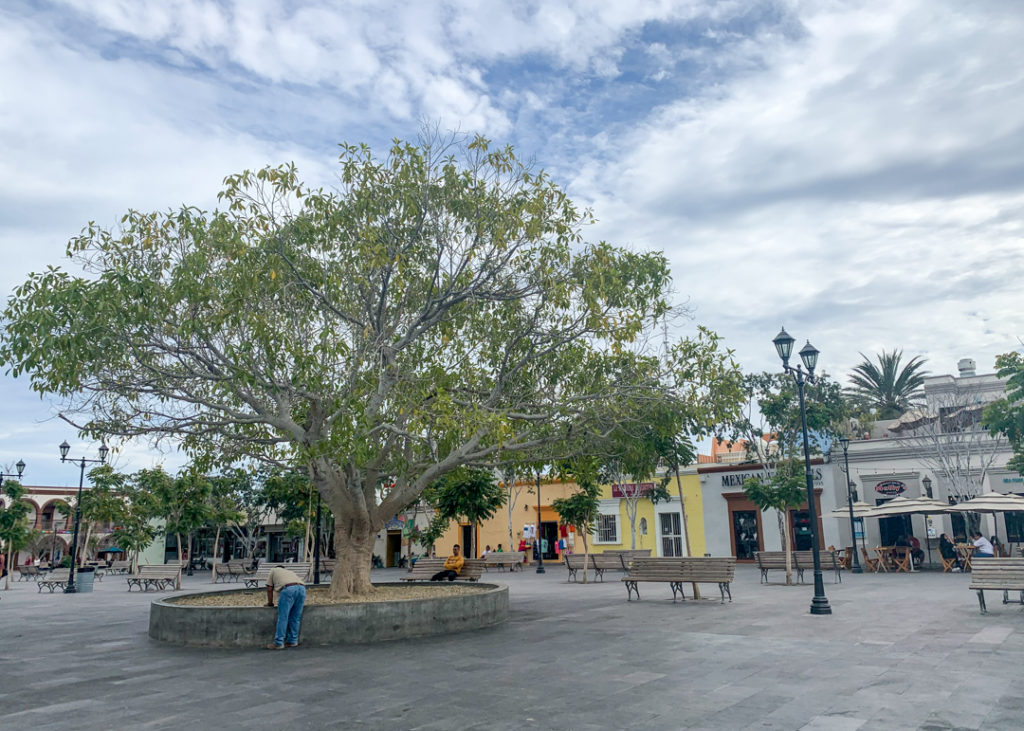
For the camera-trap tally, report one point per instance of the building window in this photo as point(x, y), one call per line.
point(607, 529)
point(671, 535)
point(643, 526)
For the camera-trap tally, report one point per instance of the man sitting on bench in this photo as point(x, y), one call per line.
point(452, 566)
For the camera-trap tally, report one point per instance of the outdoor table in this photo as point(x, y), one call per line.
point(965, 551)
point(884, 554)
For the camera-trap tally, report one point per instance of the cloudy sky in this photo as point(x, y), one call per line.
point(853, 170)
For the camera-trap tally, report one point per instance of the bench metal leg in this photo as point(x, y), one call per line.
point(800, 574)
point(764, 576)
point(572, 575)
point(631, 588)
point(677, 586)
point(981, 601)
point(599, 574)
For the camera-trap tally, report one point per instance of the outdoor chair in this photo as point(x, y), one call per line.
point(901, 558)
point(871, 564)
point(948, 564)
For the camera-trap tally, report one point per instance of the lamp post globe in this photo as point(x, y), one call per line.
point(784, 345)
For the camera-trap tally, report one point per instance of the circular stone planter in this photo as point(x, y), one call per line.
point(331, 624)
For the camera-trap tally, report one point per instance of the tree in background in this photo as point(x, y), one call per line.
point(181, 501)
point(15, 530)
point(580, 510)
point(222, 510)
point(513, 475)
point(784, 490)
point(427, 314)
point(1006, 416)
point(771, 429)
point(102, 504)
point(887, 389)
point(471, 494)
point(136, 531)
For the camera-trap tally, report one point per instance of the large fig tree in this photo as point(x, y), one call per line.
point(438, 307)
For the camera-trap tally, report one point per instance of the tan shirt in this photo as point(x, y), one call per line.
point(279, 577)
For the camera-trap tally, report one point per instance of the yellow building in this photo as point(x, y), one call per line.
point(658, 527)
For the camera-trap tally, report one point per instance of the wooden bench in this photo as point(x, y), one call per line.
point(513, 560)
point(58, 578)
point(425, 568)
point(300, 569)
point(829, 561)
point(1006, 574)
point(573, 562)
point(28, 573)
point(628, 554)
point(801, 561)
point(156, 576)
point(120, 567)
point(678, 571)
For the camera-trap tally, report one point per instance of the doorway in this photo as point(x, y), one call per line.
point(746, 534)
point(549, 533)
point(393, 551)
point(467, 541)
point(894, 527)
point(801, 527)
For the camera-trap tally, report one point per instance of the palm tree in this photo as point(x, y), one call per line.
point(887, 388)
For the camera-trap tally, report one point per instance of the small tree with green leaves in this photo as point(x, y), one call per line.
point(102, 503)
point(467, 493)
point(15, 530)
point(783, 491)
point(1006, 416)
point(580, 510)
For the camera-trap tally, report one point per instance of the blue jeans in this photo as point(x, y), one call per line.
point(290, 602)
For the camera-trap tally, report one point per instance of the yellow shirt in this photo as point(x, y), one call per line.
point(454, 563)
point(279, 577)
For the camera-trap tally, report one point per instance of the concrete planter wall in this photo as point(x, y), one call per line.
point(339, 624)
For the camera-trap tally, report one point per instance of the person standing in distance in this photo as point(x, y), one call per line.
point(291, 598)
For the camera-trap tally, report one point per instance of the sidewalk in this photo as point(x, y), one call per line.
point(900, 651)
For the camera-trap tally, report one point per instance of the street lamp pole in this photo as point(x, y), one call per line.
point(316, 544)
point(536, 541)
point(21, 469)
point(845, 441)
point(809, 355)
point(64, 449)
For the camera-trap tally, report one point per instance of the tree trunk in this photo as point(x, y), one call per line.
point(686, 527)
point(213, 557)
point(353, 546)
point(789, 554)
point(586, 555)
point(7, 579)
point(80, 556)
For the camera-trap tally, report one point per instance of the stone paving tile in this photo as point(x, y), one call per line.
point(572, 657)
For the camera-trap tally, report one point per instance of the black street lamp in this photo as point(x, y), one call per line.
point(537, 541)
point(809, 355)
point(64, 449)
point(316, 544)
point(21, 469)
point(845, 441)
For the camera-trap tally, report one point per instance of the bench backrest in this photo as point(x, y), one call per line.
point(503, 557)
point(300, 569)
point(710, 568)
point(574, 560)
point(610, 560)
point(772, 560)
point(159, 570)
point(656, 568)
point(630, 553)
point(426, 567)
point(121, 565)
point(58, 575)
point(1001, 573)
point(805, 559)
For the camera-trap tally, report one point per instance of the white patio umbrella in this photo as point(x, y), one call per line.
point(990, 502)
point(910, 506)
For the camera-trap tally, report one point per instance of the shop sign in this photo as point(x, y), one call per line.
point(891, 488)
point(631, 489)
point(1009, 480)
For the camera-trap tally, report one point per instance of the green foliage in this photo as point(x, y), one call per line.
point(784, 490)
point(774, 397)
point(467, 493)
point(15, 529)
point(104, 501)
point(439, 308)
point(886, 388)
point(1006, 416)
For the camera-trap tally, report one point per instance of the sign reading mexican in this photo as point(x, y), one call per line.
point(890, 488)
point(631, 489)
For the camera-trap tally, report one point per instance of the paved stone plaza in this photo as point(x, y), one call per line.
point(900, 652)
